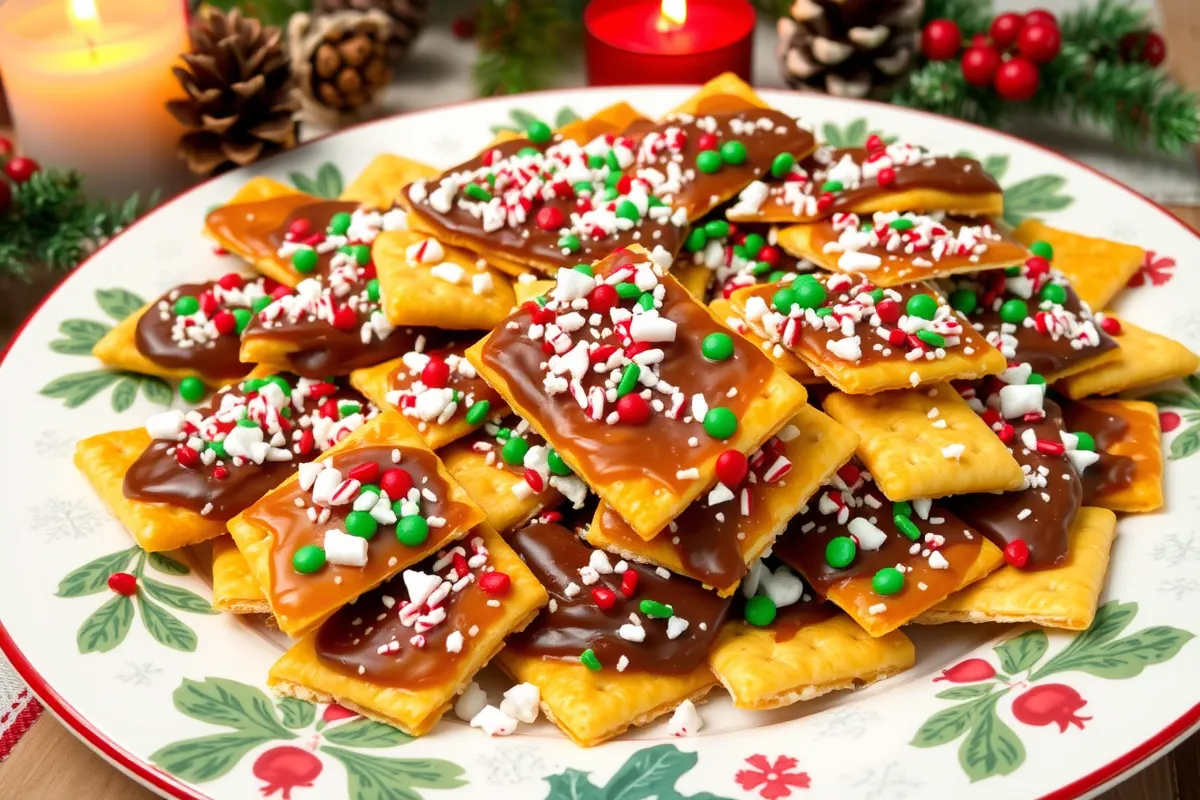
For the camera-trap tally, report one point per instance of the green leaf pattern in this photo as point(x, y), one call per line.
point(520, 120)
point(1186, 442)
point(326, 184)
point(651, 772)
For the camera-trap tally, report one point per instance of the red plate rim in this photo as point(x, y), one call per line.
point(1140, 756)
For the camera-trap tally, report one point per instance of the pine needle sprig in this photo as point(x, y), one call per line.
point(521, 43)
point(939, 86)
point(1099, 28)
point(972, 16)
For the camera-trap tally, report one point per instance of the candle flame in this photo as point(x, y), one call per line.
point(84, 17)
point(674, 11)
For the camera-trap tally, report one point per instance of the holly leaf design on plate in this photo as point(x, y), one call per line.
point(118, 303)
point(76, 388)
point(177, 597)
point(206, 758)
point(565, 116)
point(107, 626)
point(124, 394)
point(167, 565)
point(366, 733)
point(1174, 399)
point(296, 713)
point(81, 336)
point(377, 778)
point(1186, 443)
point(327, 184)
point(1034, 196)
point(991, 747)
point(651, 772)
point(947, 725)
point(156, 390)
point(1022, 652)
point(520, 122)
point(965, 692)
point(164, 626)
point(93, 576)
point(572, 784)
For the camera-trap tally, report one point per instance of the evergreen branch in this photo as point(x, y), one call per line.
point(1099, 28)
point(939, 86)
point(520, 43)
point(972, 16)
point(774, 8)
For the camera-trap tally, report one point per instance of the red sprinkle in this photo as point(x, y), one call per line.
point(436, 373)
point(849, 474)
point(461, 568)
point(328, 409)
point(603, 298)
point(123, 583)
point(208, 303)
point(367, 472)
point(824, 202)
point(732, 468)
point(624, 184)
point(220, 473)
point(632, 409)
point(991, 416)
point(1006, 433)
point(496, 584)
point(888, 311)
point(534, 479)
point(550, 218)
point(605, 598)
point(345, 319)
point(886, 176)
point(230, 281)
point(307, 442)
point(914, 343)
point(186, 456)
point(322, 389)
point(1111, 326)
point(1048, 448)
point(629, 583)
point(1016, 553)
point(1034, 416)
point(896, 337)
point(602, 353)
point(280, 292)
point(396, 482)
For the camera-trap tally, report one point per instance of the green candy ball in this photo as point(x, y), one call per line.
point(478, 412)
point(1086, 442)
point(782, 164)
point(720, 423)
point(717, 346)
point(760, 610)
point(627, 210)
point(361, 523)
point(1042, 248)
point(1014, 311)
point(514, 451)
point(412, 531)
point(716, 229)
point(538, 132)
point(752, 244)
point(304, 260)
point(888, 581)
point(1054, 293)
point(260, 304)
point(809, 294)
point(586, 269)
point(840, 552)
point(339, 223)
point(921, 305)
point(784, 299)
point(187, 305)
point(373, 291)
point(192, 389)
point(709, 161)
point(308, 559)
point(733, 152)
point(556, 464)
point(964, 300)
point(696, 240)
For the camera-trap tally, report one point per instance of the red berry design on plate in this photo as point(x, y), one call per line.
point(285, 768)
point(1050, 703)
point(1156, 268)
point(980, 64)
point(463, 27)
point(1005, 29)
point(1168, 421)
point(1017, 79)
point(941, 40)
point(333, 712)
point(123, 583)
point(21, 169)
point(972, 670)
point(1039, 43)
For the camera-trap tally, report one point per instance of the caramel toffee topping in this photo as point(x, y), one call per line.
point(622, 617)
point(1032, 315)
point(298, 517)
point(195, 326)
point(873, 557)
point(742, 254)
point(843, 179)
point(387, 639)
point(1111, 473)
point(613, 362)
point(433, 387)
point(218, 460)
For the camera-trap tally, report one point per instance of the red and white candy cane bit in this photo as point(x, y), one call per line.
point(780, 467)
point(1006, 433)
point(417, 641)
point(460, 565)
point(496, 584)
point(550, 517)
point(746, 502)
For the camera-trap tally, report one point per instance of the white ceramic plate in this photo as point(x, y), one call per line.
point(174, 694)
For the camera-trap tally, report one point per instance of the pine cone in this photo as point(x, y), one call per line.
point(239, 106)
point(849, 48)
point(340, 62)
point(407, 16)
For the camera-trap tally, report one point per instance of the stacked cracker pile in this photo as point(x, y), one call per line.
point(639, 409)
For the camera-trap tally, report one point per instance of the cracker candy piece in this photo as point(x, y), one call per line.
point(1062, 597)
point(911, 439)
point(788, 361)
point(1145, 358)
point(727, 84)
point(931, 247)
point(526, 290)
point(801, 656)
point(611, 457)
point(413, 706)
point(715, 551)
point(1098, 268)
point(234, 589)
point(273, 529)
point(378, 186)
point(1129, 474)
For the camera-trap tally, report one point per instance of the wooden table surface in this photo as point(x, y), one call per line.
point(50, 763)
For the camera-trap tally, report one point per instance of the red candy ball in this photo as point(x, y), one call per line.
point(345, 319)
point(1039, 43)
point(1040, 16)
point(706, 141)
point(549, 218)
point(230, 281)
point(941, 40)
point(770, 254)
point(1035, 266)
point(299, 228)
point(496, 584)
point(874, 143)
point(436, 374)
point(980, 64)
point(732, 468)
point(396, 482)
point(888, 311)
point(1005, 28)
point(603, 298)
point(632, 409)
point(1111, 326)
point(1017, 79)
point(1016, 553)
point(123, 583)
point(886, 176)
point(21, 169)
point(224, 322)
point(280, 292)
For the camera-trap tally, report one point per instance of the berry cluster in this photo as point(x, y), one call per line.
point(17, 169)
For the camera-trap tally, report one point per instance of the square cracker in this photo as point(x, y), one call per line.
point(524, 291)
point(457, 291)
point(301, 673)
point(156, 527)
point(378, 185)
point(646, 501)
point(234, 588)
point(1063, 597)
point(763, 670)
point(819, 447)
point(334, 585)
point(788, 361)
point(1144, 358)
point(1098, 268)
point(725, 84)
point(592, 707)
point(1141, 443)
point(905, 436)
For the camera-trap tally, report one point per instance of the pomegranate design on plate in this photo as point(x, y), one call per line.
point(285, 768)
point(970, 671)
point(1050, 703)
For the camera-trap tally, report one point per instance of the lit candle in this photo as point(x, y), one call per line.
point(667, 41)
point(87, 83)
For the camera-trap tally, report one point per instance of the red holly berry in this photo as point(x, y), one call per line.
point(1040, 16)
point(603, 298)
point(1050, 703)
point(396, 482)
point(972, 670)
point(1039, 42)
point(333, 712)
point(6, 147)
point(285, 768)
point(550, 218)
point(5, 197)
point(496, 584)
point(1146, 47)
point(1005, 28)
point(632, 409)
point(123, 583)
point(941, 40)
point(1017, 79)
point(436, 373)
point(21, 169)
point(463, 27)
point(979, 65)
point(344, 319)
point(1016, 553)
point(1168, 421)
point(732, 468)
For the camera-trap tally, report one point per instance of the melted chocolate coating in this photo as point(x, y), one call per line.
point(1112, 473)
point(256, 230)
point(217, 358)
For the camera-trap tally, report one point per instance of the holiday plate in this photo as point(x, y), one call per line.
point(175, 694)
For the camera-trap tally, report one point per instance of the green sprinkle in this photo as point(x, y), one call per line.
point(906, 526)
point(246, 422)
point(1086, 442)
point(1036, 379)
point(611, 180)
point(187, 305)
point(831, 186)
point(888, 581)
point(477, 192)
point(626, 209)
point(964, 301)
point(824, 311)
point(397, 507)
point(646, 301)
point(1042, 248)
point(760, 611)
point(373, 293)
point(412, 530)
point(304, 260)
point(524, 152)
point(654, 202)
point(504, 434)
point(716, 229)
point(589, 660)
point(696, 240)
point(585, 269)
point(720, 423)
point(921, 305)
point(1014, 311)
point(741, 252)
point(260, 303)
point(901, 224)
point(717, 346)
point(478, 412)
point(761, 268)
point(612, 162)
point(538, 132)
point(556, 464)
point(877, 296)
point(655, 610)
point(514, 450)
point(583, 188)
point(776, 276)
point(809, 294)
point(308, 559)
point(629, 379)
point(362, 524)
point(782, 164)
point(346, 409)
point(192, 389)
point(709, 161)
point(1054, 293)
point(931, 338)
point(627, 290)
point(733, 152)
point(840, 552)
point(784, 299)
point(541, 300)
point(596, 161)
point(218, 448)
point(253, 385)
point(570, 243)
point(339, 223)
point(753, 243)
point(904, 508)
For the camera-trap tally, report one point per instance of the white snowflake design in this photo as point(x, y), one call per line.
point(847, 721)
point(65, 519)
point(889, 783)
point(1176, 549)
point(142, 674)
point(510, 765)
point(54, 443)
point(1180, 587)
